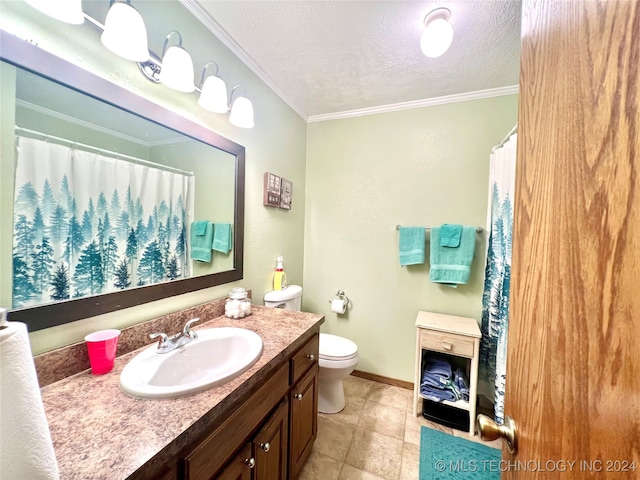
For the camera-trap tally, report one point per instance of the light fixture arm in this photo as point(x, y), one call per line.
point(166, 41)
point(232, 92)
point(204, 71)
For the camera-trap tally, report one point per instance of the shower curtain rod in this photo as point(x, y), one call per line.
point(505, 139)
point(117, 155)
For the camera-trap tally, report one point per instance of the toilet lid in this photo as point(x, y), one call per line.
point(333, 346)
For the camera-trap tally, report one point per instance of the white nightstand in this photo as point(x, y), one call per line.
point(450, 335)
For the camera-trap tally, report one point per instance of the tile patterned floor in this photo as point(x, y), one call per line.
point(375, 437)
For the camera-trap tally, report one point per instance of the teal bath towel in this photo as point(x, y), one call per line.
point(452, 265)
point(221, 237)
point(412, 245)
point(201, 242)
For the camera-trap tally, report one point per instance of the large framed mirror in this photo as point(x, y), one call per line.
point(47, 101)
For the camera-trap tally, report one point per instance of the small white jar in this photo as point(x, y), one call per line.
point(238, 305)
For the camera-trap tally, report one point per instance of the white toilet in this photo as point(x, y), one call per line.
point(338, 356)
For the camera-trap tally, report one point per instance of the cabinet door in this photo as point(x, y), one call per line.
point(241, 467)
point(270, 446)
point(303, 420)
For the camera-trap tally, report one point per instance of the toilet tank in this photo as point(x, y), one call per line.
point(289, 298)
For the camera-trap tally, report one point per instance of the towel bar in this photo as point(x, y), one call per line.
point(478, 229)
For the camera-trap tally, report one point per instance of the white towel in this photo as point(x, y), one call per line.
point(26, 450)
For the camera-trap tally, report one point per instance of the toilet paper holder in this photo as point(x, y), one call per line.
point(341, 296)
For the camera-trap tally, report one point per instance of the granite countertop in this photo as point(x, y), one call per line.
point(100, 432)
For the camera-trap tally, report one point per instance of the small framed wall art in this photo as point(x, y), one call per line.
point(278, 191)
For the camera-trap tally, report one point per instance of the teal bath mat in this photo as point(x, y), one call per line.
point(445, 457)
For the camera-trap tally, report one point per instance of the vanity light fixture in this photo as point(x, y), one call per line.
point(125, 33)
point(438, 33)
point(177, 67)
point(241, 111)
point(213, 94)
point(68, 11)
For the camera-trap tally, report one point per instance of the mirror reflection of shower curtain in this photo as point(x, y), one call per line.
point(495, 298)
point(86, 223)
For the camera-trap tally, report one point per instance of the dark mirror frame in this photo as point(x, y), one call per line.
point(29, 57)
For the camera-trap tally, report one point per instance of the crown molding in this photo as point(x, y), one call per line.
point(221, 34)
point(427, 102)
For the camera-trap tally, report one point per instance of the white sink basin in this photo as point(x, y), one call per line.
point(215, 357)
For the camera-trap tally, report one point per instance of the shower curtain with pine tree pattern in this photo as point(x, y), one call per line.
point(86, 224)
point(495, 298)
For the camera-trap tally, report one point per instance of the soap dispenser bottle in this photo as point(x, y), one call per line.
point(279, 277)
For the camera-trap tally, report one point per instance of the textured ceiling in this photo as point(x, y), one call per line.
point(326, 57)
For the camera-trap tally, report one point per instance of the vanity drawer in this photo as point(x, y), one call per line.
point(446, 343)
point(212, 453)
point(304, 358)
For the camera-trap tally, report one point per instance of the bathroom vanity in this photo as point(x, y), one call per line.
point(259, 425)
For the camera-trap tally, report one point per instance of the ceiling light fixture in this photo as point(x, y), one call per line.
point(125, 33)
point(438, 33)
point(177, 66)
point(213, 94)
point(241, 110)
point(68, 11)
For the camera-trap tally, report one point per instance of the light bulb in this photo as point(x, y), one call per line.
point(241, 113)
point(438, 33)
point(68, 11)
point(125, 34)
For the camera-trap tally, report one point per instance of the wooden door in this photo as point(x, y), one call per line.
point(573, 368)
point(303, 420)
point(271, 446)
point(240, 467)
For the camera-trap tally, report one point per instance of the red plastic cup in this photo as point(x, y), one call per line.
point(102, 348)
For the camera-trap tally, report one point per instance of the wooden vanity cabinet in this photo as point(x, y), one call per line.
point(265, 458)
point(304, 420)
point(270, 435)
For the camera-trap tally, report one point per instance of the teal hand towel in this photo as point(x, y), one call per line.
point(221, 237)
point(201, 244)
point(450, 235)
point(200, 227)
point(452, 266)
point(412, 245)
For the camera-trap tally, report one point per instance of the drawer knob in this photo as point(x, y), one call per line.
point(311, 357)
point(446, 345)
point(298, 396)
point(250, 462)
point(265, 446)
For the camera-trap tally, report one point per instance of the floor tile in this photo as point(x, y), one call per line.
point(357, 387)
point(334, 438)
point(383, 419)
point(354, 407)
point(410, 462)
point(376, 453)
point(320, 467)
point(352, 473)
point(389, 395)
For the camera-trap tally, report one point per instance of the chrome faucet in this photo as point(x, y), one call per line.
point(166, 343)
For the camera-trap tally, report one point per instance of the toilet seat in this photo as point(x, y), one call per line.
point(336, 348)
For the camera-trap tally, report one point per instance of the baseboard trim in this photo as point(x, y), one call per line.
point(379, 378)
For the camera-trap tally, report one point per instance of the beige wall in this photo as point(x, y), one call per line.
point(354, 181)
point(277, 143)
point(366, 175)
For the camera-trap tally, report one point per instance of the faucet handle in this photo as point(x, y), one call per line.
point(163, 338)
point(187, 328)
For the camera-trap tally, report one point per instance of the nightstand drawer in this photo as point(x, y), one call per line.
point(447, 343)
